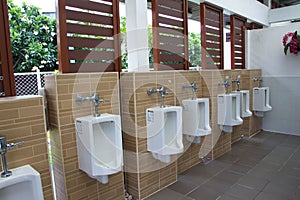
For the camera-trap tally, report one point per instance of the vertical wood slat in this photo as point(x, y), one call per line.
point(157, 30)
point(117, 40)
point(63, 31)
point(209, 13)
point(62, 40)
point(8, 83)
point(186, 33)
point(254, 25)
point(240, 23)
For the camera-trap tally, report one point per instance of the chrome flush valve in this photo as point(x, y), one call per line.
point(3, 150)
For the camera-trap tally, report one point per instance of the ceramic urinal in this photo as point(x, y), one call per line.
point(244, 103)
point(164, 132)
point(24, 183)
point(99, 145)
point(229, 111)
point(261, 100)
point(196, 119)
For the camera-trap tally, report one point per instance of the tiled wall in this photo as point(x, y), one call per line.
point(243, 129)
point(254, 122)
point(23, 119)
point(72, 183)
point(145, 175)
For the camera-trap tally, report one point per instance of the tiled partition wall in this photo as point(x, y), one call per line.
point(72, 183)
point(23, 119)
point(243, 129)
point(143, 174)
point(254, 122)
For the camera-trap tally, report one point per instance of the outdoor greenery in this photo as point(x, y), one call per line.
point(194, 47)
point(33, 39)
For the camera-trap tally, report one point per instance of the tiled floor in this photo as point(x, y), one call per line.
point(265, 167)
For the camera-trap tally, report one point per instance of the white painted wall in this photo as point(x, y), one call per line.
point(251, 9)
point(227, 50)
point(284, 14)
point(281, 73)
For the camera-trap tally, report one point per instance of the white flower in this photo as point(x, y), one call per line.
point(34, 68)
point(35, 32)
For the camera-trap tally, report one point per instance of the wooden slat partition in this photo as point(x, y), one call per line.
point(7, 81)
point(211, 36)
point(170, 35)
point(254, 25)
point(237, 37)
point(88, 36)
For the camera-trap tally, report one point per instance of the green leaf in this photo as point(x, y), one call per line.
point(286, 48)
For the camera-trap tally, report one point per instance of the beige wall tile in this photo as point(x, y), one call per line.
point(22, 119)
point(71, 182)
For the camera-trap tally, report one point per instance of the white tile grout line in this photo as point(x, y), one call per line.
point(284, 164)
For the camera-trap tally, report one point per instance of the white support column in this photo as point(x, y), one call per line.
point(137, 35)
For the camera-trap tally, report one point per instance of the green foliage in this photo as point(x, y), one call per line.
point(194, 49)
point(33, 38)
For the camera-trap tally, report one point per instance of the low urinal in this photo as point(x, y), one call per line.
point(196, 119)
point(164, 132)
point(99, 145)
point(261, 100)
point(24, 183)
point(229, 111)
point(244, 103)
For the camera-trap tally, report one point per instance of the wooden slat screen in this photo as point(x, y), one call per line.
point(254, 25)
point(237, 37)
point(7, 81)
point(170, 35)
point(88, 36)
point(211, 37)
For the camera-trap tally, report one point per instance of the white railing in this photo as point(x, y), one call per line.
point(29, 83)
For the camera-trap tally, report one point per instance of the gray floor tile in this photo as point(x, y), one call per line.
point(228, 177)
point(293, 164)
point(238, 168)
point(205, 193)
point(242, 192)
point(168, 194)
point(248, 162)
point(219, 186)
point(184, 185)
point(280, 188)
point(295, 195)
point(265, 167)
point(290, 171)
point(270, 196)
point(254, 182)
point(228, 197)
point(228, 158)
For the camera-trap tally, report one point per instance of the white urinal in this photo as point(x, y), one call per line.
point(195, 116)
point(24, 183)
point(164, 132)
point(244, 103)
point(99, 145)
point(261, 100)
point(229, 111)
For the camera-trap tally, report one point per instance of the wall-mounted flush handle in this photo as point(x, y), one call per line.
point(150, 91)
point(95, 99)
point(161, 91)
point(194, 88)
point(226, 83)
point(3, 150)
point(12, 145)
point(260, 80)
